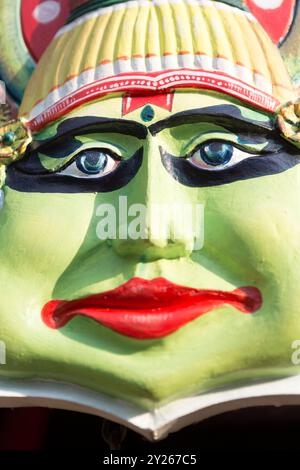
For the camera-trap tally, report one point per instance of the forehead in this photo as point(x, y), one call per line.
point(116, 107)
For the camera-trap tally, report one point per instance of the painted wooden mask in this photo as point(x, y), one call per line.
point(150, 232)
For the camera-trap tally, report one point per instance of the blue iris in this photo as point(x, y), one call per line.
point(216, 153)
point(92, 162)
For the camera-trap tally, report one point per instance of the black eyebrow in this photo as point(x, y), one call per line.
point(229, 116)
point(88, 124)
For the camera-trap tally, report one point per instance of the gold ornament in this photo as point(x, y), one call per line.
point(288, 120)
point(15, 136)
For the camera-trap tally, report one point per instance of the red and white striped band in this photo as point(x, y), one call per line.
point(138, 83)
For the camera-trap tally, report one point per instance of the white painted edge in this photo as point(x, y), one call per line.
point(155, 424)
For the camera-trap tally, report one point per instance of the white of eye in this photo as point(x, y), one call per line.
point(91, 163)
point(217, 155)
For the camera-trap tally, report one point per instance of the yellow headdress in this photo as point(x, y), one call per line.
point(148, 46)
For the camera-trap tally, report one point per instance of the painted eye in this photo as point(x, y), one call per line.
point(91, 163)
point(217, 155)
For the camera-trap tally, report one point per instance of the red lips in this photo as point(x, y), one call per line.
point(146, 309)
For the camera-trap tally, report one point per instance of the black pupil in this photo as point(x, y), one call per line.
point(92, 161)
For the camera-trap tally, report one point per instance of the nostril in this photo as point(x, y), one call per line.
point(171, 251)
point(146, 250)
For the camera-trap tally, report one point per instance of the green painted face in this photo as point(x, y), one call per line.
point(209, 151)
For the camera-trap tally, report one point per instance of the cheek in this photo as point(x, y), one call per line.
point(43, 232)
point(253, 230)
point(270, 236)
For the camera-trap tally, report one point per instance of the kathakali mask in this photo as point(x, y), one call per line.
point(150, 229)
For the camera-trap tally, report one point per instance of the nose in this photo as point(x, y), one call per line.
point(168, 213)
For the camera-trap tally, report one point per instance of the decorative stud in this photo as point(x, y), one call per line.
point(8, 138)
point(147, 113)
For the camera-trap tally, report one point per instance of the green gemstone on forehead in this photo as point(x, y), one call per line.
point(147, 113)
